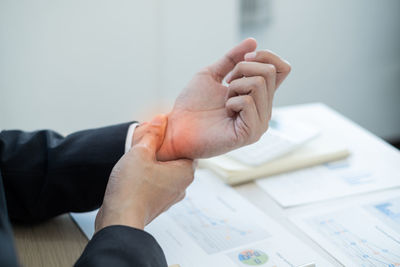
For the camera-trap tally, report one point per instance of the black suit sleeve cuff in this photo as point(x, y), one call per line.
point(119, 245)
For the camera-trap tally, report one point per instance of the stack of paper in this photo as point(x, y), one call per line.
point(318, 151)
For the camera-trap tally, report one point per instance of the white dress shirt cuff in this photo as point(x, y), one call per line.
point(129, 135)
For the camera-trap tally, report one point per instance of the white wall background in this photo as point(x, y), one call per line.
point(69, 65)
point(345, 53)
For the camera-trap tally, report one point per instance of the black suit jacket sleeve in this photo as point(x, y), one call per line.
point(46, 174)
point(122, 246)
point(43, 174)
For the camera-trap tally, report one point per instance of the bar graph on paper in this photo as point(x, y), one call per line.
point(212, 224)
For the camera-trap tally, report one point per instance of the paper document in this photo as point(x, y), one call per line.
point(331, 180)
point(364, 233)
point(373, 165)
point(215, 226)
point(283, 136)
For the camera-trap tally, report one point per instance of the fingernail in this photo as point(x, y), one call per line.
point(158, 120)
point(251, 55)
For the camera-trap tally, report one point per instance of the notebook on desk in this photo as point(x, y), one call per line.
point(320, 150)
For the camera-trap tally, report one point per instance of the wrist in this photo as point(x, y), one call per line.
point(131, 219)
point(166, 151)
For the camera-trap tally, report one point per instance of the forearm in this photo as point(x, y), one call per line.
point(46, 174)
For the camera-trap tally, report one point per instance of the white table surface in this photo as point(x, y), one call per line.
point(258, 197)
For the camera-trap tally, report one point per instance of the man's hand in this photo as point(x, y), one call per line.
point(210, 119)
point(140, 187)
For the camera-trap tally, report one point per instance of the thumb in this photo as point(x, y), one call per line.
point(153, 135)
point(224, 65)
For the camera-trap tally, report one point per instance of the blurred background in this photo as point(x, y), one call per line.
point(71, 65)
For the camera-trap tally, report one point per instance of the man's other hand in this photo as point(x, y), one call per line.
point(210, 118)
point(140, 187)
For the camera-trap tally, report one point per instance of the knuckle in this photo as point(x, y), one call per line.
point(138, 149)
point(141, 150)
point(286, 67)
point(259, 81)
point(271, 69)
point(154, 130)
point(267, 52)
point(241, 65)
point(269, 55)
point(247, 100)
point(233, 84)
